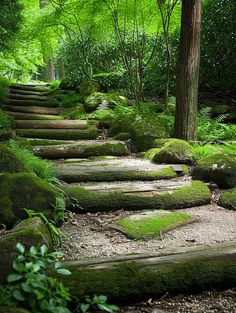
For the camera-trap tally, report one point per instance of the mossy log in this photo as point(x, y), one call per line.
point(30, 109)
point(30, 87)
point(28, 92)
point(138, 277)
point(92, 201)
point(28, 97)
point(82, 149)
point(47, 124)
point(52, 104)
point(91, 133)
point(29, 116)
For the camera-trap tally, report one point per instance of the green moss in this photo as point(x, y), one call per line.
point(175, 151)
point(185, 169)
point(90, 133)
point(122, 136)
point(4, 83)
point(116, 149)
point(6, 122)
point(9, 163)
point(132, 282)
point(159, 143)
point(6, 135)
point(111, 100)
point(189, 196)
point(228, 199)
point(88, 87)
point(40, 142)
point(219, 168)
point(22, 190)
point(149, 154)
point(149, 224)
point(103, 157)
point(72, 177)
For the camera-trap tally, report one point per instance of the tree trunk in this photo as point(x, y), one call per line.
point(188, 71)
point(61, 69)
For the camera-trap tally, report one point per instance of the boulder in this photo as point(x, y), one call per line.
point(9, 162)
point(175, 152)
point(103, 101)
point(218, 168)
point(147, 129)
point(228, 199)
point(21, 191)
point(88, 87)
point(30, 232)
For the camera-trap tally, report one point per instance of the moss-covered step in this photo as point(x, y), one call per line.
point(52, 103)
point(115, 170)
point(28, 97)
point(31, 109)
point(44, 142)
point(178, 197)
point(61, 134)
point(151, 224)
point(228, 199)
point(29, 116)
point(30, 232)
point(219, 168)
point(50, 124)
point(27, 92)
point(133, 278)
point(30, 87)
point(82, 149)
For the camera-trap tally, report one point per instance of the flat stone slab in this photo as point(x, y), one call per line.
point(50, 124)
point(115, 170)
point(29, 116)
point(82, 149)
point(28, 97)
point(32, 102)
point(31, 109)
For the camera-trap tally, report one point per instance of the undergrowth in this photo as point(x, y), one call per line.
point(6, 122)
point(4, 83)
point(200, 152)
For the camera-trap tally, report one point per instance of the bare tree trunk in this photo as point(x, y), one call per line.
point(188, 71)
point(61, 68)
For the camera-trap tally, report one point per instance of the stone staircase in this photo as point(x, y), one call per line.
point(98, 174)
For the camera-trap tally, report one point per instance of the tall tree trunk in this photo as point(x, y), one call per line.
point(61, 68)
point(188, 71)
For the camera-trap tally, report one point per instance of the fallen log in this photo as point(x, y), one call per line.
point(137, 277)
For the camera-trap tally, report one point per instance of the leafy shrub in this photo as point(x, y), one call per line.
point(99, 302)
point(4, 83)
point(70, 99)
point(42, 168)
point(31, 287)
point(6, 122)
point(200, 152)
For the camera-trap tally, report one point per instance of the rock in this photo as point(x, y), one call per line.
point(9, 163)
point(23, 190)
point(88, 87)
point(5, 135)
point(219, 168)
point(176, 151)
point(228, 199)
point(103, 100)
point(68, 84)
point(30, 232)
point(6, 309)
point(122, 136)
point(149, 154)
point(146, 130)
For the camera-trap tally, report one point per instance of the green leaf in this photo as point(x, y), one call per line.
point(17, 294)
point(43, 249)
point(63, 271)
point(84, 307)
point(26, 287)
point(20, 248)
point(14, 277)
point(108, 307)
point(33, 251)
point(100, 299)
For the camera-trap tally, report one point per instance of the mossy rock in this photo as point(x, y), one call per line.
point(150, 224)
point(146, 130)
point(122, 136)
point(228, 199)
point(159, 143)
point(107, 100)
point(189, 196)
point(21, 191)
point(30, 232)
point(88, 87)
point(218, 168)
point(175, 152)
point(5, 135)
point(9, 162)
point(68, 84)
point(7, 309)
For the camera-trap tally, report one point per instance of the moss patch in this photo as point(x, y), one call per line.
point(189, 196)
point(149, 224)
point(9, 163)
point(88, 87)
point(228, 199)
point(175, 151)
point(149, 154)
point(219, 168)
point(122, 136)
point(96, 99)
point(22, 190)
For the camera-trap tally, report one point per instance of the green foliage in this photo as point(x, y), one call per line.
point(200, 152)
point(56, 234)
point(31, 287)
point(99, 302)
point(214, 128)
point(6, 122)
point(54, 86)
point(42, 168)
point(70, 99)
point(4, 83)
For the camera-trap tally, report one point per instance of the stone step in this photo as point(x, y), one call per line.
point(27, 92)
point(61, 134)
point(28, 97)
point(31, 109)
point(155, 195)
point(30, 87)
point(52, 104)
point(82, 149)
point(47, 124)
point(121, 169)
point(28, 116)
point(45, 142)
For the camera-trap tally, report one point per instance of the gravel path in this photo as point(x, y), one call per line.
point(89, 235)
